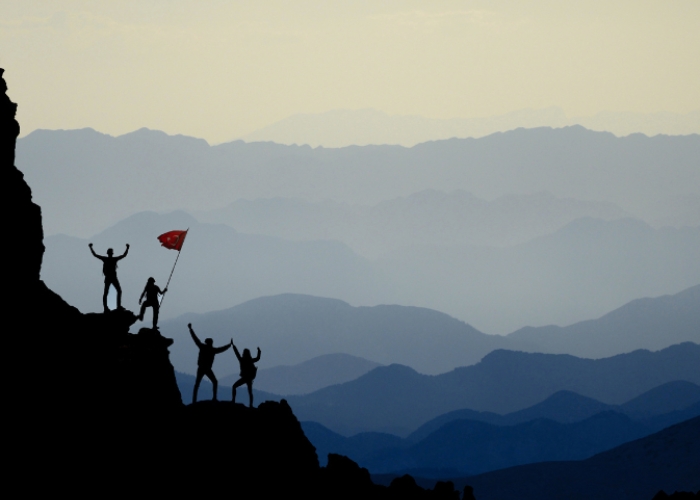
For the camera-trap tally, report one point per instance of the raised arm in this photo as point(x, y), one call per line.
point(125, 252)
point(194, 336)
point(238, 354)
point(257, 358)
point(93, 252)
point(222, 349)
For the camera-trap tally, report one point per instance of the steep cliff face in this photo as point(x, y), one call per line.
point(22, 217)
point(97, 409)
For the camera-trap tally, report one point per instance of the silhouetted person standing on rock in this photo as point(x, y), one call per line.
point(205, 361)
point(151, 292)
point(248, 371)
point(109, 269)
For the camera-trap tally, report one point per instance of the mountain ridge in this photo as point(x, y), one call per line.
point(397, 399)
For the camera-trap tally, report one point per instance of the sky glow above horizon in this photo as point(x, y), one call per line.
point(219, 70)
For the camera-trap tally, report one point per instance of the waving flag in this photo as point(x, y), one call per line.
point(173, 240)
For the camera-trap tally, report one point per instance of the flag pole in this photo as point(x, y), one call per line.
point(173, 269)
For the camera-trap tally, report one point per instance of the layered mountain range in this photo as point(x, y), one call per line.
point(110, 411)
point(582, 271)
point(565, 426)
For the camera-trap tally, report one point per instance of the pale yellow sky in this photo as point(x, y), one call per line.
point(221, 69)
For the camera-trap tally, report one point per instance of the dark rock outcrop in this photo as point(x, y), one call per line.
point(109, 416)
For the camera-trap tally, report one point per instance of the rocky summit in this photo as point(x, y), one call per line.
point(94, 409)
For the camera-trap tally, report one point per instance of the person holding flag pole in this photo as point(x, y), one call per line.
point(172, 240)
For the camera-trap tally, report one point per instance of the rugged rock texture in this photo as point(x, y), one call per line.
point(108, 416)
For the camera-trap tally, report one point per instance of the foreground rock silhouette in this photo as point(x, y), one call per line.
point(98, 410)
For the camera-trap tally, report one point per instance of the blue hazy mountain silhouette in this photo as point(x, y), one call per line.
point(583, 271)
point(398, 400)
point(571, 162)
point(568, 407)
point(668, 460)
point(648, 323)
point(298, 327)
point(218, 265)
point(309, 376)
point(472, 445)
point(455, 218)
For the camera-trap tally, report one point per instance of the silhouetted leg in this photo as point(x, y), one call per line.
point(104, 296)
point(196, 386)
point(214, 382)
point(155, 315)
point(250, 392)
point(118, 288)
point(143, 310)
point(239, 383)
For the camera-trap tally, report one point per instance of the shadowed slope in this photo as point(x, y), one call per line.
point(667, 460)
point(397, 399)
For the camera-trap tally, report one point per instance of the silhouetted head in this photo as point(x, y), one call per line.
point(151, 280)
point(208, 341)
point(110, 252)
point(246, 353)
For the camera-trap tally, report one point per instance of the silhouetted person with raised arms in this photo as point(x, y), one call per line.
point(248, 372)
point(151, 292)
point(109, 269)
point(205, 361)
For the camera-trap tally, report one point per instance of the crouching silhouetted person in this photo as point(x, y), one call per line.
point(205, 361)
point(248, 372)
point(109, 270)
point(151, 292)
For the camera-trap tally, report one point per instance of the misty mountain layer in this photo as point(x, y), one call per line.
point(86, 181)
point(340, 128)
point(396, 399)
point(582, 271)
point(428, 217)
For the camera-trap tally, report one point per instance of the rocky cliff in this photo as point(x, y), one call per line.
point(94, 409)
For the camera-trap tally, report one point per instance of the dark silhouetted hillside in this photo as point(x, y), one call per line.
point(185, 383)
point(668, 460)
point(668, 397)
point(468, 442)
point(472, 447)
point(568, 407)
point(109, 413)
point(396, 399)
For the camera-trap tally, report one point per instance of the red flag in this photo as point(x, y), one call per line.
point(173, 240)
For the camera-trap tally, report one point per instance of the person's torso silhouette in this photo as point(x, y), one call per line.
point(109, 270)
point(247, 373)
point(205, 361)
point(248, 368)
point(151, 292)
